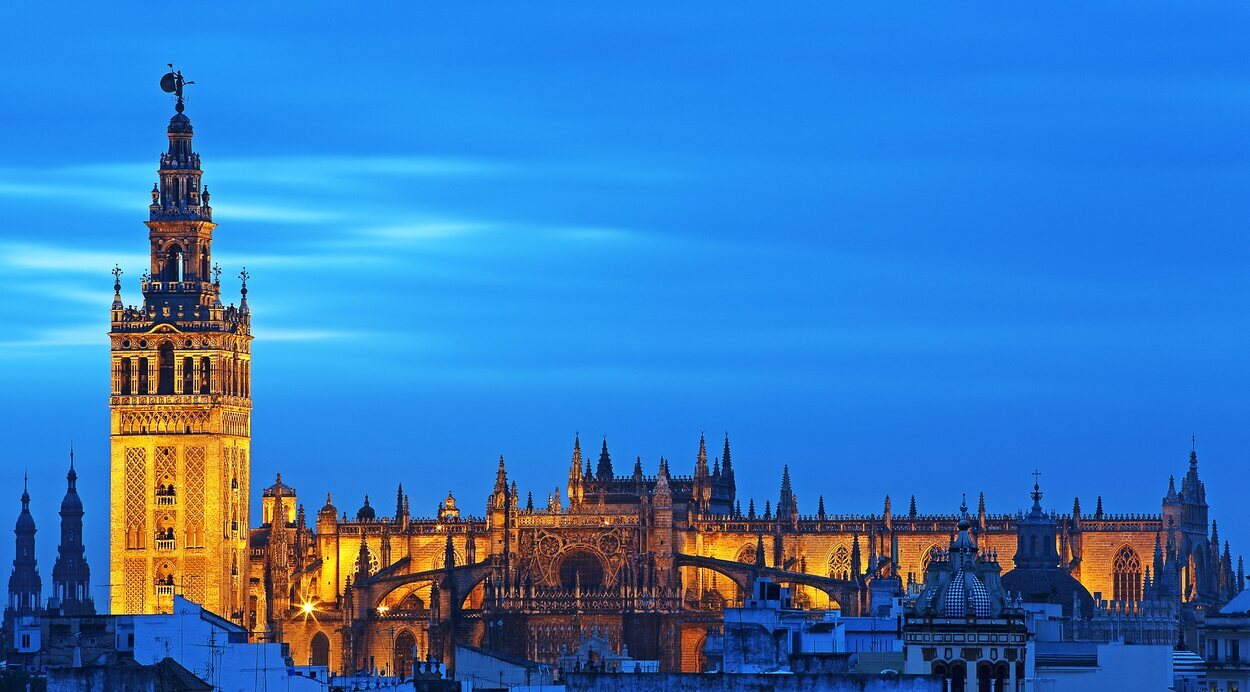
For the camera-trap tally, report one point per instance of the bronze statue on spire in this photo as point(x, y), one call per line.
point(172, 83)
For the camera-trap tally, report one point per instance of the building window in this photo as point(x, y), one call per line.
point(1126, 575)
point(205, 372)
point(583, 569)
point(840, 563)
point(320, 650)
point(124, 376)
point(405, 648)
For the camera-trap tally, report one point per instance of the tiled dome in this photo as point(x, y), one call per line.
point(966, 591)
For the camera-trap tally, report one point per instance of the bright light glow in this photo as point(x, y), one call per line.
point(382, 609)
point(308, 607)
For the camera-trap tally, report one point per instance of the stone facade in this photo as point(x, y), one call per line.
point(181, 410)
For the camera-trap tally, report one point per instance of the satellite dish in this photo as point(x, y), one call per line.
point(169, 83)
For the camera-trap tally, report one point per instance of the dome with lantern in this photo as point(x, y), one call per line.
point(963, 581)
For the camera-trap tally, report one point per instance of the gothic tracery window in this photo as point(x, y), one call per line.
point(840, 563)
point(581, 568)
point(929, 554)
point(1126, 575)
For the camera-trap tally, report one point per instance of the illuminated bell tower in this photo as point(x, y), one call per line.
point(181, 408)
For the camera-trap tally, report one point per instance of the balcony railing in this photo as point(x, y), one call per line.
point(164, 589)
point(166, 500)
point(164, 544)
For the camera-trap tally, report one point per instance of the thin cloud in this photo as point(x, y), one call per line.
point(84, 335)
point(296, 334)
point(65, 258)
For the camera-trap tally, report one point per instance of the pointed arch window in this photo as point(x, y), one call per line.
point(840, 563)
point(405, 651)
point(1126, 575)
point(926, 559)
point(320, 650)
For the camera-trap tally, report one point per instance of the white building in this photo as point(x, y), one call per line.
point(213, 648)
point(1225, 643)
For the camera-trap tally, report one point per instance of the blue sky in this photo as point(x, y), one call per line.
point(907, 250)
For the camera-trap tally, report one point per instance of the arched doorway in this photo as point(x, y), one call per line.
point(581, 567)
point(405, 647)
point(319, 652)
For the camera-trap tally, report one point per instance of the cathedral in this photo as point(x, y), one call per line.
point(646, 555)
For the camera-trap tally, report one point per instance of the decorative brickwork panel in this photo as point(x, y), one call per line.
point(194, 578)
point(136, 586)
point(244, 474)
point(227, 498)
point(136, 495)
point(195, 497)
point(164, 422)
point(235, 423)
point(166, 466)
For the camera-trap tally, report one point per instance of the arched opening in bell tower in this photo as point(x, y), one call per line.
point(124, 376)
point(173, 264)
point(205, 372)
point(165, 366)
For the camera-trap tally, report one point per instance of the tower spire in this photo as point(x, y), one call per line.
point(117, 287)
point(71, 576)
point(700, 464)
point(25, 586)
point(604, 472)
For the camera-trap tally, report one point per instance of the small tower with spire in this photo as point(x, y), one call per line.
point(25, 586)
point(603, 473)
point(702, 487)
point(787, 503)
point(71, 577)
point(576, 491)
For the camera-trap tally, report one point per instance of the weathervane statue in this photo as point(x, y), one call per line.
point(172, 83)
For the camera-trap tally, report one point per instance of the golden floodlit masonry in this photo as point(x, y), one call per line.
point(181, 410)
